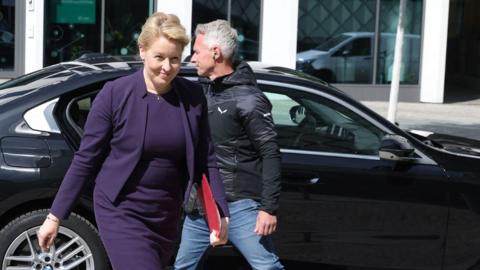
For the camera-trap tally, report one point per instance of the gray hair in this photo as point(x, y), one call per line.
point(219, 33)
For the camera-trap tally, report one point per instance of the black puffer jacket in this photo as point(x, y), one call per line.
point(244, 137)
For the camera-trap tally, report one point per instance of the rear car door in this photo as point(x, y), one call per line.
point(340, 203)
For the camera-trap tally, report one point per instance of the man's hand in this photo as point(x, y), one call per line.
point(266, 223)
point(216, 238)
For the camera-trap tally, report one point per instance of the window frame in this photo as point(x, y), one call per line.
point(266, 85)
point(70, 121)
point(19, 43)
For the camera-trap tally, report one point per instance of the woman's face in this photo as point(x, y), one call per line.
point(161, 62)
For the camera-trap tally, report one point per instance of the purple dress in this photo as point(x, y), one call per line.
point(140, 229)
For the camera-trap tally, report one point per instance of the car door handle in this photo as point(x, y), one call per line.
point(314, 181)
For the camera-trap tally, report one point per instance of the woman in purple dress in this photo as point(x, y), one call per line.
point(146, 141)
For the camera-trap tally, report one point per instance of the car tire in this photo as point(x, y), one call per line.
point(77, 243)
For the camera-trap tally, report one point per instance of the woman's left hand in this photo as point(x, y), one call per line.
point(218, 239)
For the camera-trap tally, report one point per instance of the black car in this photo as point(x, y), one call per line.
point(357, 190)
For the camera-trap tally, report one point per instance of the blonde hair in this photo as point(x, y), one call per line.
point(161, 24)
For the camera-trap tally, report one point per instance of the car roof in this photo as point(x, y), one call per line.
point(50, 81)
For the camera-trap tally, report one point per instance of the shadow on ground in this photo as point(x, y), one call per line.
point(454, 94)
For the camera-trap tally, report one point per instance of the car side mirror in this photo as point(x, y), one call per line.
point(396, 148)
point(297, 114)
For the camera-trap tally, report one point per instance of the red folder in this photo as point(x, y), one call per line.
point(209, 205)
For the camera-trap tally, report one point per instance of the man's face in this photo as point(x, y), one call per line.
point(203, 57)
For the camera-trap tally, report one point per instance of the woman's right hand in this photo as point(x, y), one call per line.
point(220, 238)
point(48, 232)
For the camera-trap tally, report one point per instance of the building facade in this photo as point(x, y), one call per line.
point(349, 43)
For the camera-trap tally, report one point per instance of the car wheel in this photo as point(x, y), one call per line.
point(77, 246)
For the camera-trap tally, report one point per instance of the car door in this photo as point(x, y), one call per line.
point(340, 203)
point(352, 62)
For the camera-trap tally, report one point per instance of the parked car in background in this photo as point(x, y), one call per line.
point(357, 191)
point(348, 58)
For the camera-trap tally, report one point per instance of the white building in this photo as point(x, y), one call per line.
point(349, 42)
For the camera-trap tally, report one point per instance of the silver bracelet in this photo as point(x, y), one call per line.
point(53, 219)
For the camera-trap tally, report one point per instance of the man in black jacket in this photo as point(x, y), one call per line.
point(248, 156)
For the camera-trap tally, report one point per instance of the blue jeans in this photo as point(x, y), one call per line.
point(257, 250)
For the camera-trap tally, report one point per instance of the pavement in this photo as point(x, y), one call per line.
point(460, 118)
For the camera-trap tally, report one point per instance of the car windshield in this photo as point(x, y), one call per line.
point(24, 85)
point(329, 44)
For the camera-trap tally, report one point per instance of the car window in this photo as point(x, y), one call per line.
point(305, 121)
point(280, 112)
point(329, 44)
point(78, 109)
point(358, 47)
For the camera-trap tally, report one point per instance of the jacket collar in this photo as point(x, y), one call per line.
point(242, 75)
point(142, 89)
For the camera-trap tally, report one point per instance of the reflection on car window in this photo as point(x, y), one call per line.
point(13, 89)
point(280, 112)
point(309, 122)
point(35, 77)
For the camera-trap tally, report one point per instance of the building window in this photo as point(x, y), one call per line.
point(337, 40)
point(123, 24)
point(244, 15)
point(409, 71)
point(73, 28)
point(7, 35)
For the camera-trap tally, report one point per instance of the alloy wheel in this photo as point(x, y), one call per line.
point(69, 251)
